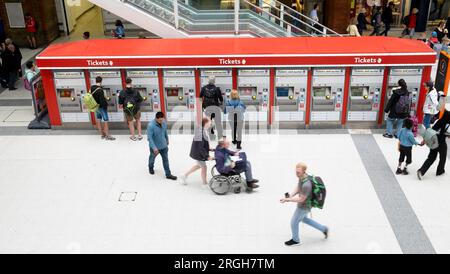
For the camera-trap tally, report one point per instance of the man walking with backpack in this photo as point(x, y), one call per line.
point(130, 100)
point(398, 107)
point(308, 193)
point(212, 103)
point(102, 112)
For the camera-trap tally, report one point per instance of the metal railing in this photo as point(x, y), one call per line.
point(245, 18)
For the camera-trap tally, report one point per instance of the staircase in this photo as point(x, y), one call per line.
point(183, 18)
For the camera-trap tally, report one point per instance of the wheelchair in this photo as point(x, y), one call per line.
point(221, 184)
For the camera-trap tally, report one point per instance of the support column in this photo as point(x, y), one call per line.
point(236, 16)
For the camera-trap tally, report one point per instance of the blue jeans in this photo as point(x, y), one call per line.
point(427, 120)
point(300, 216)
point(165, 158)
point(244, 166)
point(390, 125)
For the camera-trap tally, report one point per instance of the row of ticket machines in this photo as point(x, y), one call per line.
point(254, 90)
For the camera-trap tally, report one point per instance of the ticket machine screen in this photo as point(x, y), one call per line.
point(284, 92)
point(362, 92)
point(66, 93)
point(247, 91)
point(173, 92)
point(322, 92)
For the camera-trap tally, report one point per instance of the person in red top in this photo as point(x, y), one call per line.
point(31, 28)
point(412, 22)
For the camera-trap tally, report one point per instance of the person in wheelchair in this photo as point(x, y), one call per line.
point(227, 167)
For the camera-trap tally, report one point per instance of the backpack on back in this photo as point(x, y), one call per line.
point(209, 96)
point(27, 84)
point(89, 101)
point(318, 192)
point(403, 104)
point(130, 104)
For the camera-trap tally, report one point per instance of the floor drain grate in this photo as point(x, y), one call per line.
point(127, 197)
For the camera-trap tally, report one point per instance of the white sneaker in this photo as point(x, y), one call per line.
point(184, 180)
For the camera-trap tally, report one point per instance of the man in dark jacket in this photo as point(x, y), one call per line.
point(387, 18)
point(391, 108)
point(130, 100)
point(102, 113)
point(212, 101)
point(226, 166)
point(441, 127)
point(12, 64)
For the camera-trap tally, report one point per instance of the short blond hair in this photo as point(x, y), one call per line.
point(303, 166)
point(234, 94)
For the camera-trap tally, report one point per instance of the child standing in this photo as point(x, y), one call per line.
point(406, 142)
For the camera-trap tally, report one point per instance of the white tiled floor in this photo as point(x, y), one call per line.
point(60, 194)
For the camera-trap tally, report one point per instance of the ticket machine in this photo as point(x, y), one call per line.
point(112, 86)
point(179, 92)
point(412, 77)
point(253, 88)
point(290, 95)
point(365, 95)
point(327, 95)
point(146, 83)
point(70, 88)
point(224, 81)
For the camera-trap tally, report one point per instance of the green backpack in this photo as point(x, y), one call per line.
point(318, 193)
point(89, 101)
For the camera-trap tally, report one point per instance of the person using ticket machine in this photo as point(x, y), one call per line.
point(212, 101)
point(102, 112)
point(131, 101)
point(398, 108)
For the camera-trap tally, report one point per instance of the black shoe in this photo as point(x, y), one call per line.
point(151, 171)
point(405, 171)
point(326, 233)
point(395, 135)
point(239, 145)
point(171, 177)
point(254, 181)
point(440, 173)
point(399, 171)
point(234, 142)
point(387, 135)
point(419, 175)
point(12, 88)
point(291, 243)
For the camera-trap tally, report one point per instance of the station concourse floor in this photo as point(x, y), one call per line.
point(59, 193)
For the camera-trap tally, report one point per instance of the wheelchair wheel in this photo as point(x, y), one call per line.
point(220, 185)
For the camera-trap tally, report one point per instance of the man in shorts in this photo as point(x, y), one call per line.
point(31, 28)
point(130, 100)
point(102, 112)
